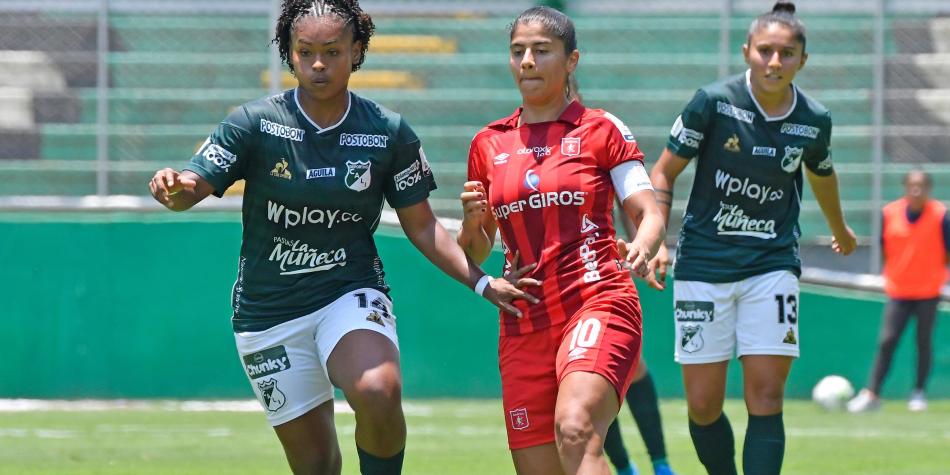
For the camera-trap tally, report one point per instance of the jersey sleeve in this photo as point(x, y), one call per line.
point(689, 129)
point(411, 180)
point(819, 160)
point(477, 170)
point(222, 158)
point(620, 145)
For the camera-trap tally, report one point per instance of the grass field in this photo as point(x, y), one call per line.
point(446, 437)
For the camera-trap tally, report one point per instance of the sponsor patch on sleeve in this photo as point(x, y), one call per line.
point(218, 155)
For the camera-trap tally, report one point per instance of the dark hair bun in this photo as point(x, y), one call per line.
point(784, 7)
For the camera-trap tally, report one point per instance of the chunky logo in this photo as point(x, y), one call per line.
point(272, 397)
point(363, 140)
point(687, 137)
point(266, 362)
point(217, 155)
point(408, 177)
point(358, 175)
point(800, 130)
point(792, 158)
point(541, 200)
point(694, 311)
point(321, 173)
point(763, 151)
point(293, 252)
point(732, 144)
point(744, 187)
point(280, 214)
point(730, 110)
point(570, 146)
point(691, 338)
point(280, 170)
point(532, 181)
point(731, 220)
point(537, 151)
point(282, 131)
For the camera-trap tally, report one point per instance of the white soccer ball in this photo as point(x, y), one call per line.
point(832, 392)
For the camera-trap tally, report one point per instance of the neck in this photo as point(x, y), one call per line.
point(324, 112)
point(545, 112)
point(774, 103)
point(916, 207)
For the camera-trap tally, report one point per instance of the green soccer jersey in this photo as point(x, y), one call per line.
point(742, 216)
point(312, 199)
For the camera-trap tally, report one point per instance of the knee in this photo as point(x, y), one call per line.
point(317, 461)
point(704, 410)
point(574, 429)
point(765, 399)
point(378, 390)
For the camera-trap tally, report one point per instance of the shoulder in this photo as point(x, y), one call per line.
point(375, 115)
point(605, 121)
point(812, 107)
point(494, 128)
point(727, 89)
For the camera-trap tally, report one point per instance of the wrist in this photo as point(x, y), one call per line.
point(482, 284)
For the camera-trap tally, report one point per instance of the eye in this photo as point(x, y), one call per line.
point(333, 52)
point(788, 53)
point(517, 52)
point(303, 52)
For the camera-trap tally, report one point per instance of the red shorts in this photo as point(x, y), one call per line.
point(603, 338)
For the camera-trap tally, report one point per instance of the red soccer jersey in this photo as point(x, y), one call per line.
point(550, 190)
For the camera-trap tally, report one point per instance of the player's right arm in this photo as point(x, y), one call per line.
point(178, 191)
point(477, 233)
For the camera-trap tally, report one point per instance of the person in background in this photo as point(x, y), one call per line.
point(915, 241)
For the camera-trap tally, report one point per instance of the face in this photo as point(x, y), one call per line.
point(539, 64)
point(323, 53)
point(916, 190)
point(774, 56)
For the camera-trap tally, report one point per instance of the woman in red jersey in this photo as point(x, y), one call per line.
point(547, 176)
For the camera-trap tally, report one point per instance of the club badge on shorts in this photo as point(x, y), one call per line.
point(692, 338)
point(519, 418)
point(272, 397)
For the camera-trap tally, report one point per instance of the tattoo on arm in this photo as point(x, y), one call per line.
point(665, 192)
point(665, 202)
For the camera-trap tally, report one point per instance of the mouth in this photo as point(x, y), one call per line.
point(319, 81)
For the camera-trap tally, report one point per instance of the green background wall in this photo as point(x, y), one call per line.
point(109, 305)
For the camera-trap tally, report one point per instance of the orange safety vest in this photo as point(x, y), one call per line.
point(915, 258)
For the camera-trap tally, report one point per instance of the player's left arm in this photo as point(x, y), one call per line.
point(826, 192)
point(439, 247)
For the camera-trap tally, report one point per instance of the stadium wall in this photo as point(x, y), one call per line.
point(125, 305)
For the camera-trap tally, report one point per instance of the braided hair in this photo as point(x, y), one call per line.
point(783, 13)
point(292, 11)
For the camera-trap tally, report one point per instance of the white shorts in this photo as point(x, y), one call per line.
point(759, 313)
point(287, 364)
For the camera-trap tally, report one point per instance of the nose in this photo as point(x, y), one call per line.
point(527, 61)
point(775, 60)
point(318, 64)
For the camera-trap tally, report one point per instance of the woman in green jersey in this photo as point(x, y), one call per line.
point(737, 260)
point(310, 305)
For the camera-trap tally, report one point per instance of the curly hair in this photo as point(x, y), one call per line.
point(292, 11)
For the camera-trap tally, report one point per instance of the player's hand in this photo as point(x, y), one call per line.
point(474, 204)
point(658, 264)
point(501, 291)
point(845, 243)
point(167, 183)
point(636, 257)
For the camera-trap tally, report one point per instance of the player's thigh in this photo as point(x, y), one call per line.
point(357, 341)
point(529, 388)
point(310, 441)
point(705, 387)
point(705, 321)
point(604, 339)
point(767, 315)
point(284, 370)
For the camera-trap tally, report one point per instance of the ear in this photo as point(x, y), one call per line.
point(745, 52)
point(804, 58)
point(572, 60)
point(357, 53)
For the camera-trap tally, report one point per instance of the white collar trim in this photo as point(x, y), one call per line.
point(748, 86)
point(349, 103)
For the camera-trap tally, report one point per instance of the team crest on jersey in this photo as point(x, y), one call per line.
point(272, 397)
point(570, 146)
point(792, 158)
point(357, 175)
point(280, 170)
point(519, 418)
point(790, 337)
point(692, 339)
point(732, 144)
